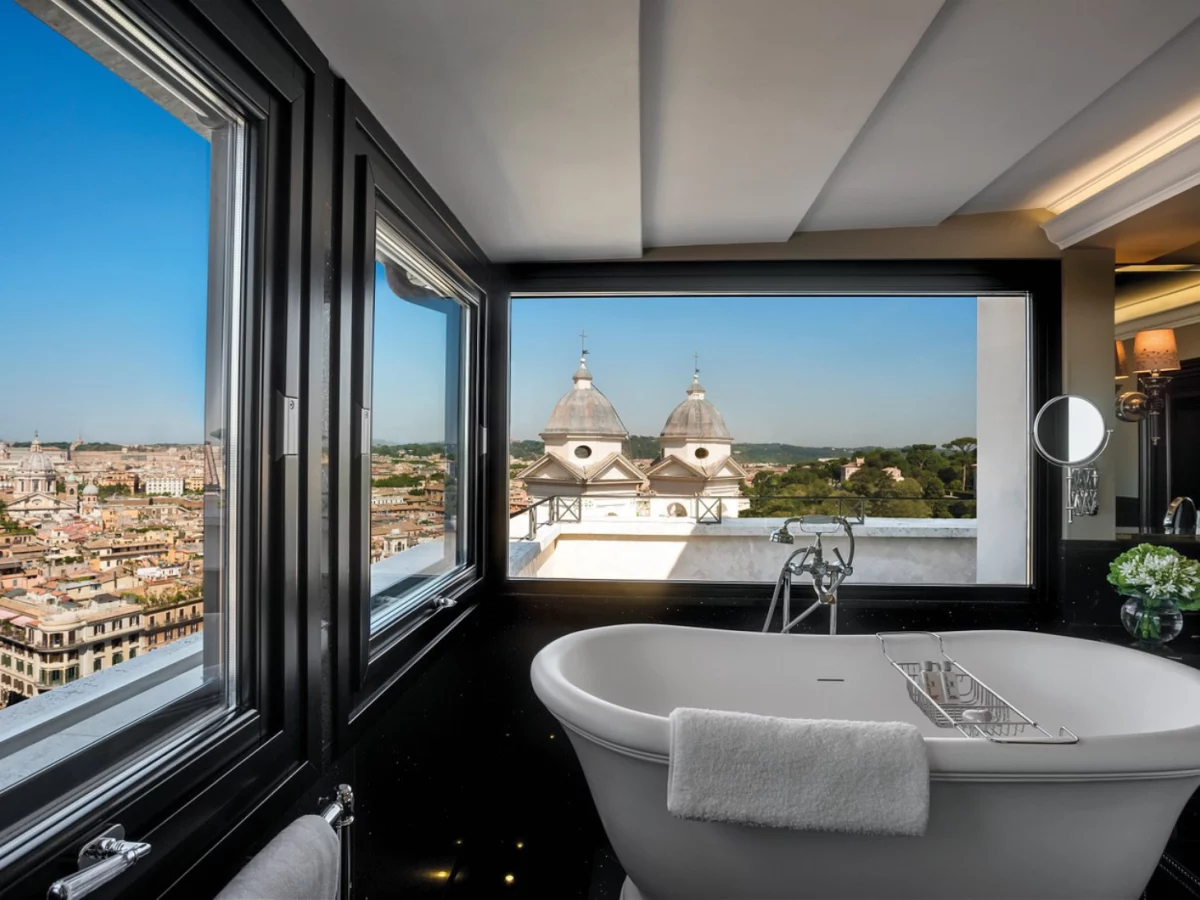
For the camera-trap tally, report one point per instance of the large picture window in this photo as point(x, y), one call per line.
point(122, 286)
point(666, 437)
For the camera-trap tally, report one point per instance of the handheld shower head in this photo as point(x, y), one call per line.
point(782, 536)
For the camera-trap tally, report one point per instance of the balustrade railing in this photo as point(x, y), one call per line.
point(710, 510)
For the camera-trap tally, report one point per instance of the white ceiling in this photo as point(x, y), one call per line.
point(714, 166)
point(575, 129)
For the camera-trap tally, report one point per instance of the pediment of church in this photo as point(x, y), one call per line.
point(551, 469)
point(730, 468)
point(616, 468)
point(674, 467)
point(39, 502)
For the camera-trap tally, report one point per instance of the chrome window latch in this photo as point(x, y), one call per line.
point(101, 859)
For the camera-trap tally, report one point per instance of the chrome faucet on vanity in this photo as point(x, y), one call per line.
point(827, 575)
point(1171, 520)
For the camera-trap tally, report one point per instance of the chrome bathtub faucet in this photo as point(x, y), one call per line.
point(1174, 514)
point(827, 575)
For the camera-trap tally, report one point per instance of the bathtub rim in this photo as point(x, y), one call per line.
point(1148, 755)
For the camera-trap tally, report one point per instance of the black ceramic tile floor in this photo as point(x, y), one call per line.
point(469, 780)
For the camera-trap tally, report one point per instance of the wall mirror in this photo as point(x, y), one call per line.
point(1155, 467)
point(1069, 431)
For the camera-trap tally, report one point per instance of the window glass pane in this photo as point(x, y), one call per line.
point(417, 419)
point(667, 437)
point(118, 281)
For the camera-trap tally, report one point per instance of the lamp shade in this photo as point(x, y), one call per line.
point(1121, 365)
point(1155, 351)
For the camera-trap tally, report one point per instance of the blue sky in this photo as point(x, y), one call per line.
point(813, 371)
point(103, 295)
point(409, 381)
point(103, 262)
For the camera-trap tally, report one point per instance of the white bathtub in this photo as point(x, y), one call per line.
point(1087, 820)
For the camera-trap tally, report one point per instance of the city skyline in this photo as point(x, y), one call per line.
point(887, 371)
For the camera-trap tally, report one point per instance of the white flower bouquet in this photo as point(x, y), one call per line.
point(1157, 573)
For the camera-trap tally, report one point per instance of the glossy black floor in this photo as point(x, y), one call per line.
point(468, 788)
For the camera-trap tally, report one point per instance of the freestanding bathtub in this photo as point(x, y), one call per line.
point(1086, 820)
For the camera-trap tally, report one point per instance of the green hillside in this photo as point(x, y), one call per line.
point(641, 446)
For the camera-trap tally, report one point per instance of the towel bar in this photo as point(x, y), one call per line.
point(340, 812)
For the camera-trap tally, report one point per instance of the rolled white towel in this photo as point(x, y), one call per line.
point(302, 862)
point(807, 774)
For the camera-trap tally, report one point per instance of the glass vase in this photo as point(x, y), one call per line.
point(1151, 620)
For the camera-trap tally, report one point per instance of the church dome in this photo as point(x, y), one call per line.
point(696, 418)
point(91, 490)
point(37, 462)
point(584, 411)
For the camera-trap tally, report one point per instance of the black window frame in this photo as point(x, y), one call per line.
point(183, 796)
point(1039, 279)
point(377, 181)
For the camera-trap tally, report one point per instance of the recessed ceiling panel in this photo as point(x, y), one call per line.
point(748, 106)
point(991, 81)
point(522, 114)
point(1144, 116)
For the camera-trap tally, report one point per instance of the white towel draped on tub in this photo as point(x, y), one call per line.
point(808, 774)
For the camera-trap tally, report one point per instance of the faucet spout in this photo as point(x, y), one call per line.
point(1171, 524)
point(827, 574)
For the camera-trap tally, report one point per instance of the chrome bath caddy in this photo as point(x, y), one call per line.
point(975, 710)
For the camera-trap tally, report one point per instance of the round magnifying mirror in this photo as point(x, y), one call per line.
point(1069, 431)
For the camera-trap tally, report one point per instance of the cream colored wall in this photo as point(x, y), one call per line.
point(1188, 340)
point(1088, 299)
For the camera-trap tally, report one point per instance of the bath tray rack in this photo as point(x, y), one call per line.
point(978, 711)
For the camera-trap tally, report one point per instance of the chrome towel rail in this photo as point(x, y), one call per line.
point(340, 812)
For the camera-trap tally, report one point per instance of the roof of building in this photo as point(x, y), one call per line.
point(696, 417)
point(585, 411)
point(37, 462)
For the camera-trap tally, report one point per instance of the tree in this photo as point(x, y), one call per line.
point(924, 457)
point(774, 494)
point(932, 487)
point(887, 497)
point(962, 452)
point(105, 491)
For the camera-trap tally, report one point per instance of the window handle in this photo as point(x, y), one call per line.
point(101, 859)
point(365, 415)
